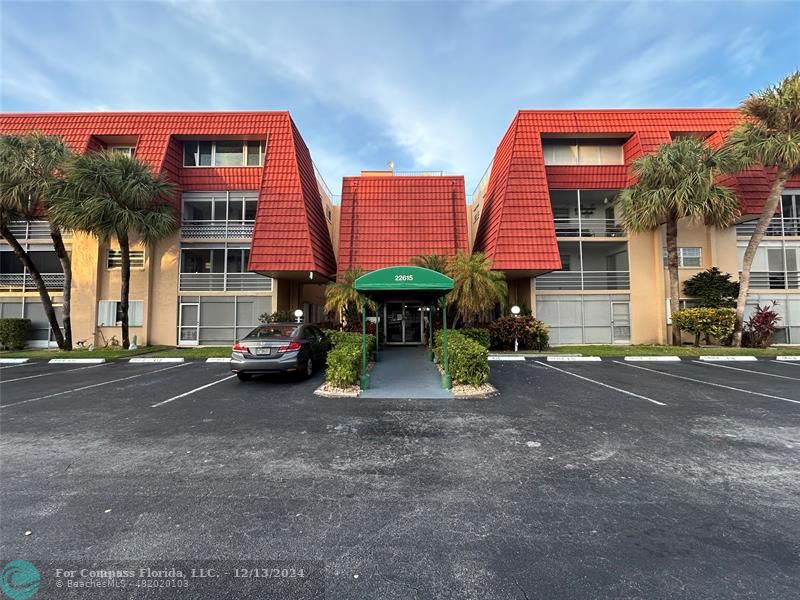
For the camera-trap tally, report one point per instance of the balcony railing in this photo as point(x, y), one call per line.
point(23, 282)
point(33, 230)
point(217, 229)
point(777, 227)
point(584, 280)
point(774, 280)
point(588, 228)
point(224, 282)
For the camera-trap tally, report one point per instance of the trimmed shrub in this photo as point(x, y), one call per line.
point(14, 333)
point(761, 326)
point(279, 316)
point(468, 360)
point(530, 333)
point(716, 322)
point(349, 338)
point(344, 365)
point(479, 334)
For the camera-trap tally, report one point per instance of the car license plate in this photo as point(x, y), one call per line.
point(263, 351)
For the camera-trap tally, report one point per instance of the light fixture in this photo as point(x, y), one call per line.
point(515, 310)
point(298, 314)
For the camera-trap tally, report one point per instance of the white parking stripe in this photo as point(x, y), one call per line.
point(49, 373)
point(787, 364)
point(605, 385)
point(190, 392)
point(94, 385)
point(719, 385)
point(26, 364)
point(745, 370)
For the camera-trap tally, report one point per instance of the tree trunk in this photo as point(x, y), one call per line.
point(674, 283)
point(768, 212)
point(44, 295)
point(125, 286)
point(66, 267)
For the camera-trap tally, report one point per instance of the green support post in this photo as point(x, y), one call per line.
point(447, 383)
point(378, 332)
point(430, 334)
point(364, 373)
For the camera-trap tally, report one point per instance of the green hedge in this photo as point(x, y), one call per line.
point(344, 365)
point(716, 322)
point(479, 334)
point(530, 333)
point(14, 333)
point(340, 338)
point(468, 360)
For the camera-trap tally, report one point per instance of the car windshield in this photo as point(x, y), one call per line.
point(273, 331)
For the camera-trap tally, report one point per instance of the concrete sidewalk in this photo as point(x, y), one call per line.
point(405, 372)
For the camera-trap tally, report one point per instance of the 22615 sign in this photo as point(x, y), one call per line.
point(404, 278)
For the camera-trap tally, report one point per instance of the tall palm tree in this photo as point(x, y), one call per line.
point(341, 295)
point(676, 182)
point(476, 287)
point(434, 262)
point(31, 167)
point(769, 135)
point(109, 194)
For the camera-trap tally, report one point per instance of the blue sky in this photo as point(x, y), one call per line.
point(431, 86)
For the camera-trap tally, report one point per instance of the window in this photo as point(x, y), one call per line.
point(214, 260)
point(564, 152)
point(223, 153)
point(234, 207)
point(114, 259)
point(129, 150)
point(687, 257)
point(109, 313)
point(564, 262)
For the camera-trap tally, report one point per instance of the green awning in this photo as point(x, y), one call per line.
point(404, 282)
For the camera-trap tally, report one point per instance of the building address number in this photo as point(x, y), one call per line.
point(404, 278)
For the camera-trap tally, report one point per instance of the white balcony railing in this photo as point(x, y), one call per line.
point(588, 228)
point(778, 227)
point(224, 282)
point(217, 229)
point(584, 280)
point(33, 230)
point(23, 282)
point(774, 280)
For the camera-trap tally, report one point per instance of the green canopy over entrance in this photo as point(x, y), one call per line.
point(405, 283)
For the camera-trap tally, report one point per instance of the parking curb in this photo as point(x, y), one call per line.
point(217, 360)
point(500, 357)
point(574, 359)
point(653, 358)
point(727, 358)
point(13, 361)
point(87, 361)
point(155, 360)
point(788, 358)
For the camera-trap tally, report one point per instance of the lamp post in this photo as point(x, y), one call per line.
point(298, 315)
point(515, 312)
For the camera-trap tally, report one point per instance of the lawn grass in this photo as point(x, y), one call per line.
point(194, 353)
point(111, 353)
point(654, 350)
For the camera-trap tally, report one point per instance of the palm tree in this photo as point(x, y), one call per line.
point(769, 135)
point(110, 194)
point(476, 287)
point(31, 167)
point(676, 182)
point(341, 296)
point(434, 262)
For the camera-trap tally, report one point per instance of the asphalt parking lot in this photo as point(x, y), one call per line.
point(579, 480)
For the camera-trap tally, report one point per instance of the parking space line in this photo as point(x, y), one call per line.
point(55, 372)
point(786, 364)
point(94, 385)
point(605, 385)
point(25, 364)
point(190, 392)
point(719, 385)
point(745, 370)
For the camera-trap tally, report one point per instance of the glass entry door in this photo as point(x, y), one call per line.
point(402, 323)
point(621, 322)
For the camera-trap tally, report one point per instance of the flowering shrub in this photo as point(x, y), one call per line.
point(761, 326)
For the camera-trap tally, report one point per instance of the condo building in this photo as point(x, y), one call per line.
point(260, 231)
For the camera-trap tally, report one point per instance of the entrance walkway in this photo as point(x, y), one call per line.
point(404, 372)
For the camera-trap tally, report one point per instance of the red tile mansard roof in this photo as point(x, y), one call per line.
point(288, 234)
point(385, 221)
point(516, 222)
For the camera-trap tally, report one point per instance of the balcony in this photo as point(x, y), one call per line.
point(778, 227)
point(584, 280)
point(589, 227)
point(217, 230)
point(774, 280)
point(23, 282)
point(34, 230)
point(224, 282)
